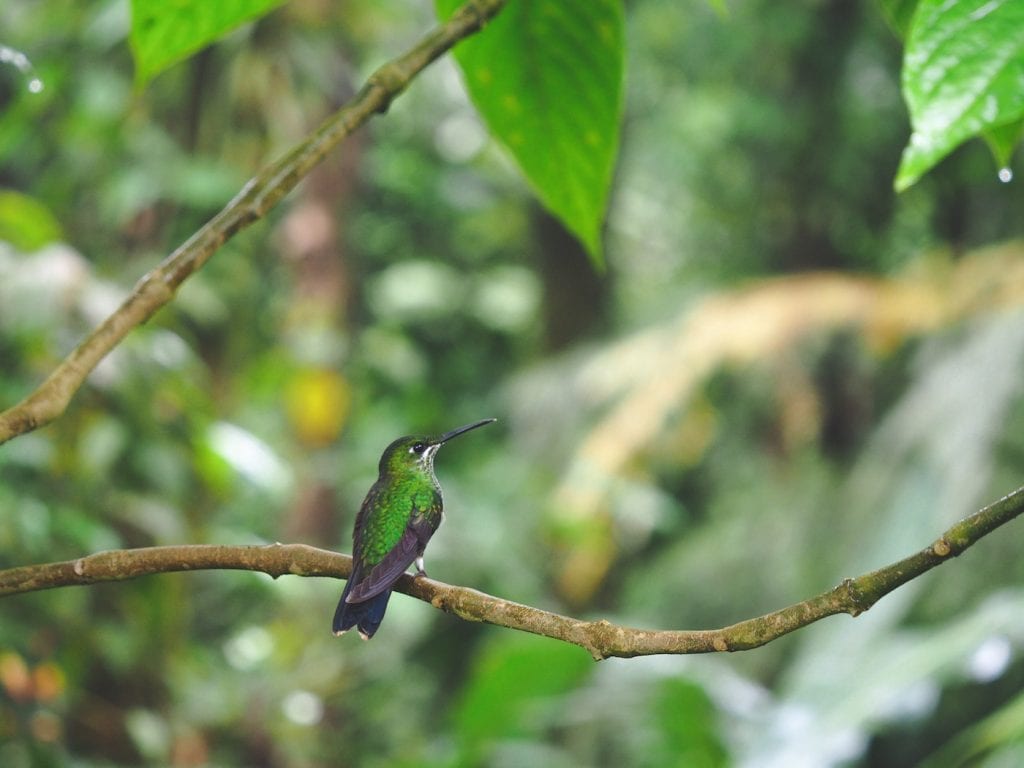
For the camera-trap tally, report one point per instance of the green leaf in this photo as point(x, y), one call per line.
point(164, 33)
point(963, 73)
point(546, 76)
point(513, 679)
point(898, 14)
point(1003, 139)
point(688, 733)
point(25, 222)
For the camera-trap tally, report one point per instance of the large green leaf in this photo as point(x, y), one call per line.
point(546, 76)
point(164, 33)
point(963, 75)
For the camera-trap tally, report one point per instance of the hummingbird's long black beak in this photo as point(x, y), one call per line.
point(456, 432)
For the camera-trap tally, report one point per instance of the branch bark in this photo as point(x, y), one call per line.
point(601, 638)
point(256, 198)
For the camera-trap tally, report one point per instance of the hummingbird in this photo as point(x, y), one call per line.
point(400, 513)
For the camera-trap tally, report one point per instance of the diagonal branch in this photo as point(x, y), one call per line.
point(601, 639)
point(257, 197)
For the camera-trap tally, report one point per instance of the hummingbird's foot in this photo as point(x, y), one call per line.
point(419, 567)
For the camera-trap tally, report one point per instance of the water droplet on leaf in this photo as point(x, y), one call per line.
point(1005, 175)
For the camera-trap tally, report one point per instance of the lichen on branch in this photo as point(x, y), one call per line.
point(601, 639)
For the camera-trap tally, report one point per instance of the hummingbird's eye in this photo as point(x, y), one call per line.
point(418, 448)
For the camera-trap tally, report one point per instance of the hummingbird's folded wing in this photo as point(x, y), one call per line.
point(384, 574)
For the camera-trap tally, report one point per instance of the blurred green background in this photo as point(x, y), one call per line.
point(788, 375)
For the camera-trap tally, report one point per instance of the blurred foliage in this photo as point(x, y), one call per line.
point(787, 375)
point(26, 223)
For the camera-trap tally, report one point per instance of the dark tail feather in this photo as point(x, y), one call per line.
point(365, 616)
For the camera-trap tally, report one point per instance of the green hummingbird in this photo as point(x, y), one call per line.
point(400, 513)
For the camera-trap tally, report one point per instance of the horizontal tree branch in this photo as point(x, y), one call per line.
point(257, 197)
point(601, 639)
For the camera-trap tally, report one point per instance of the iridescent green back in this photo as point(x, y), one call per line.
point(405, 487)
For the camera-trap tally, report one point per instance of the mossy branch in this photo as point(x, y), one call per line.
point(252, 203)
point(601, 639)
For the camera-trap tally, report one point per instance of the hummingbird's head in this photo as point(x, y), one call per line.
point(416, 452)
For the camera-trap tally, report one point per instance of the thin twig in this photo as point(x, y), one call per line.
point(601, 639)
point(257, 197)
